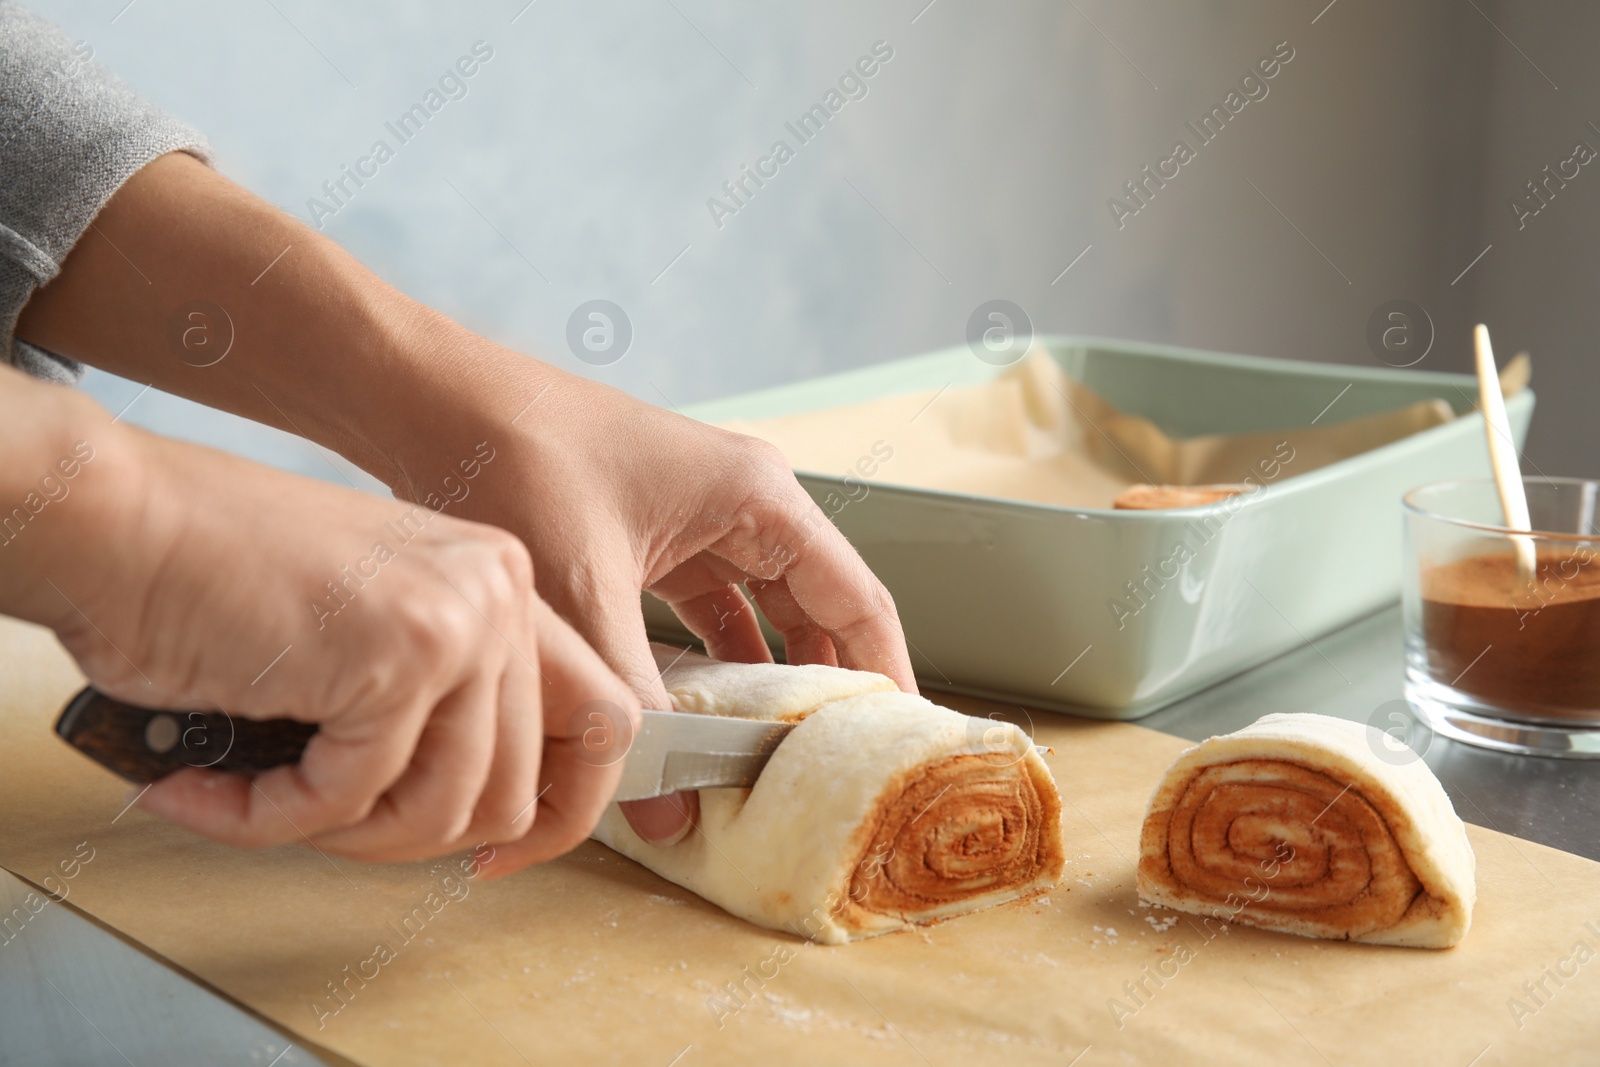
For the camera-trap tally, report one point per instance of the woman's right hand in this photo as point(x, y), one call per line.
point(447, 694)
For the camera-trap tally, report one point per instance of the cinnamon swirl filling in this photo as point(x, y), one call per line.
point(1268, 840)
point(957, 834)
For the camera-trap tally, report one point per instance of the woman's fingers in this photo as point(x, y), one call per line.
point(429, 730)
point(565, 819)
point(429, 809)
point(703, 592)
point(806, 574)
point(507, 808)
point(836, 590)
point(590, 721)
point(663, 820)
point(600, 606)
point(456, 623)
point(607, 615)
point(504, 808)
point(803, 640)
point(345, 768)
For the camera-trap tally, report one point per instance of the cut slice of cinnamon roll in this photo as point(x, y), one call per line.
point(1310, 825)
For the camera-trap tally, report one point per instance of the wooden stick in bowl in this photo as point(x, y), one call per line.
point(1503, 455)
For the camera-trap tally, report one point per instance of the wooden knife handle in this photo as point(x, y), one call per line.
point(147, 744)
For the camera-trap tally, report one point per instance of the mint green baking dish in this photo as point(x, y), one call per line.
point(1019, 601)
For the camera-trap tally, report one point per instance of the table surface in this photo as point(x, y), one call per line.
point(72, 992)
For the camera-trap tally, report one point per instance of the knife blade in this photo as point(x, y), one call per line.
point(671, 752)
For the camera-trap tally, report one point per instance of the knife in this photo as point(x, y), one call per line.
point(671, 752)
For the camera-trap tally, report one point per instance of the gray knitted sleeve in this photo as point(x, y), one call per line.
point(70, 135)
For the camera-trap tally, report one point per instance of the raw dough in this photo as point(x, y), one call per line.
point(1296, 824)
point(878, 812)
point(775, 692)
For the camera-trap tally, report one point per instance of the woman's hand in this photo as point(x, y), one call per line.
point(613, 496)
point(451, 702)
point(610, 495)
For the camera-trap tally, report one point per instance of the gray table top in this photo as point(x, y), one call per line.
point(74, 993)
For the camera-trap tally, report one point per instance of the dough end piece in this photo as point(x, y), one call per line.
point(877, 813)
point(774, 692)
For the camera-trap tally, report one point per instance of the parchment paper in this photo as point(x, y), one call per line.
point(1032, 433)
point(591, 959)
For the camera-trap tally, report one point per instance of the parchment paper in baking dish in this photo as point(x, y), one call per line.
point(1034, 434)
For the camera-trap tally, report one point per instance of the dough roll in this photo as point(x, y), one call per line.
point(1295, 824)
point(879, 811)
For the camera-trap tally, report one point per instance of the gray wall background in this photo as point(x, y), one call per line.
point(1379, 166)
